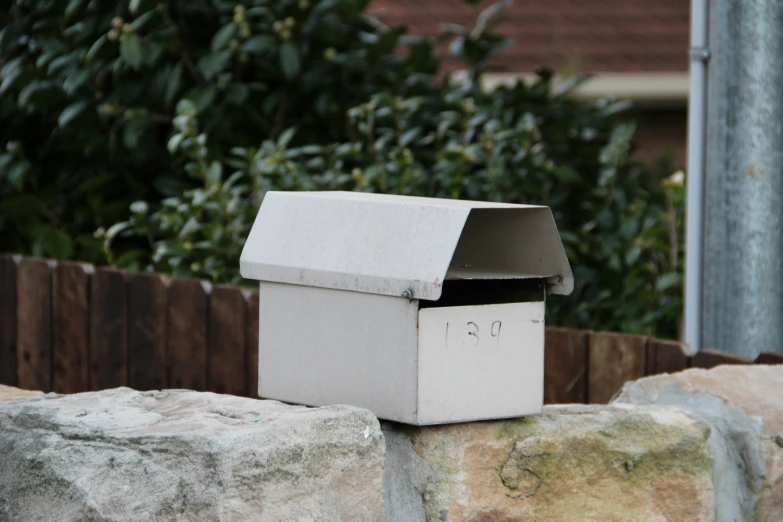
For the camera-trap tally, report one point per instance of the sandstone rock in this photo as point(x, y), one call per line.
point(744, 406)
point(181, 455)
point(9, 393)
point(585, 463)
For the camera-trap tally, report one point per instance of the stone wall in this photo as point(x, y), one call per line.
point(696, 445)
point(121, 455)
point(743, 406)
point(571, 463)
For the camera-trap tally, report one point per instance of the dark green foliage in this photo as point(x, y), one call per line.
point(88, 91)
point(192, 110)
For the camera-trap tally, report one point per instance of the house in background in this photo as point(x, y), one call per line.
point(635, 49)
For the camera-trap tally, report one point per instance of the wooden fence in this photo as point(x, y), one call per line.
point(70, 327)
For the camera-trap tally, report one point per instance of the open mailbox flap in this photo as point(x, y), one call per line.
point(400, 245)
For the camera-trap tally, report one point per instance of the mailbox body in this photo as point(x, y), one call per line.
point(454, 332)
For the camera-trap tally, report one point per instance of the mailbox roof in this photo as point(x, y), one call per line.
point(400, 245)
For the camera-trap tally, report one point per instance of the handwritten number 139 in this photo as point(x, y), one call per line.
point(473, 331)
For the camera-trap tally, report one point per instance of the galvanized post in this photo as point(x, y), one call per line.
point(697, 126)
point(743, 241)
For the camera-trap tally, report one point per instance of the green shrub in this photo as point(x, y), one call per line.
point(88, 91)
point(389, 126)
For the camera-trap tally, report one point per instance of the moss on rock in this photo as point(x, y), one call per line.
point(572, 463)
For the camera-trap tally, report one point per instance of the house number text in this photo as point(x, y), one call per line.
point(473, 332)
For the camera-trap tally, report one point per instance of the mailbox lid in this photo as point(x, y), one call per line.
point(400, 245)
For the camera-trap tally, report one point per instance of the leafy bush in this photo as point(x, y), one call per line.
point(389, 125)
point(88, 91)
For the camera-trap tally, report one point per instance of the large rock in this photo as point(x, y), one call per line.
point(744, 406)
point(600, 463)
point(180, 455)
point(9, 393)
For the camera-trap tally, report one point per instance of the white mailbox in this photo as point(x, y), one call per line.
point(424, 311)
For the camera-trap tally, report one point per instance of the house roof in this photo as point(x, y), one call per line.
point(566, 35)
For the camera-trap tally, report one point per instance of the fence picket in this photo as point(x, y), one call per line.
point(770, 358)
point(614, 360)
point(227, 341)
point(147, 314)
point(665, 357)
point(565, 366)
point(109, 330)
point(34, 324)
point(8, 272)
point(188, 317)
point(71, 327)
point(707, 358)
point(252, 344)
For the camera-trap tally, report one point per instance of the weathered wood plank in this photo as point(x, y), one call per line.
point(109, 330)
point(8, 266)
point(614, 360)
point(71, 327)
point(770, 358)
point(227, 341)
point(147, 316)
point(707, 358)
point(565, 366)
point(252, 344)
point(188, 317)
point(665, 357)
point(34, 324)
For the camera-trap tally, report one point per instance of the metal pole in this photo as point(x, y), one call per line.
point(697, 123)
point(743, 241)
